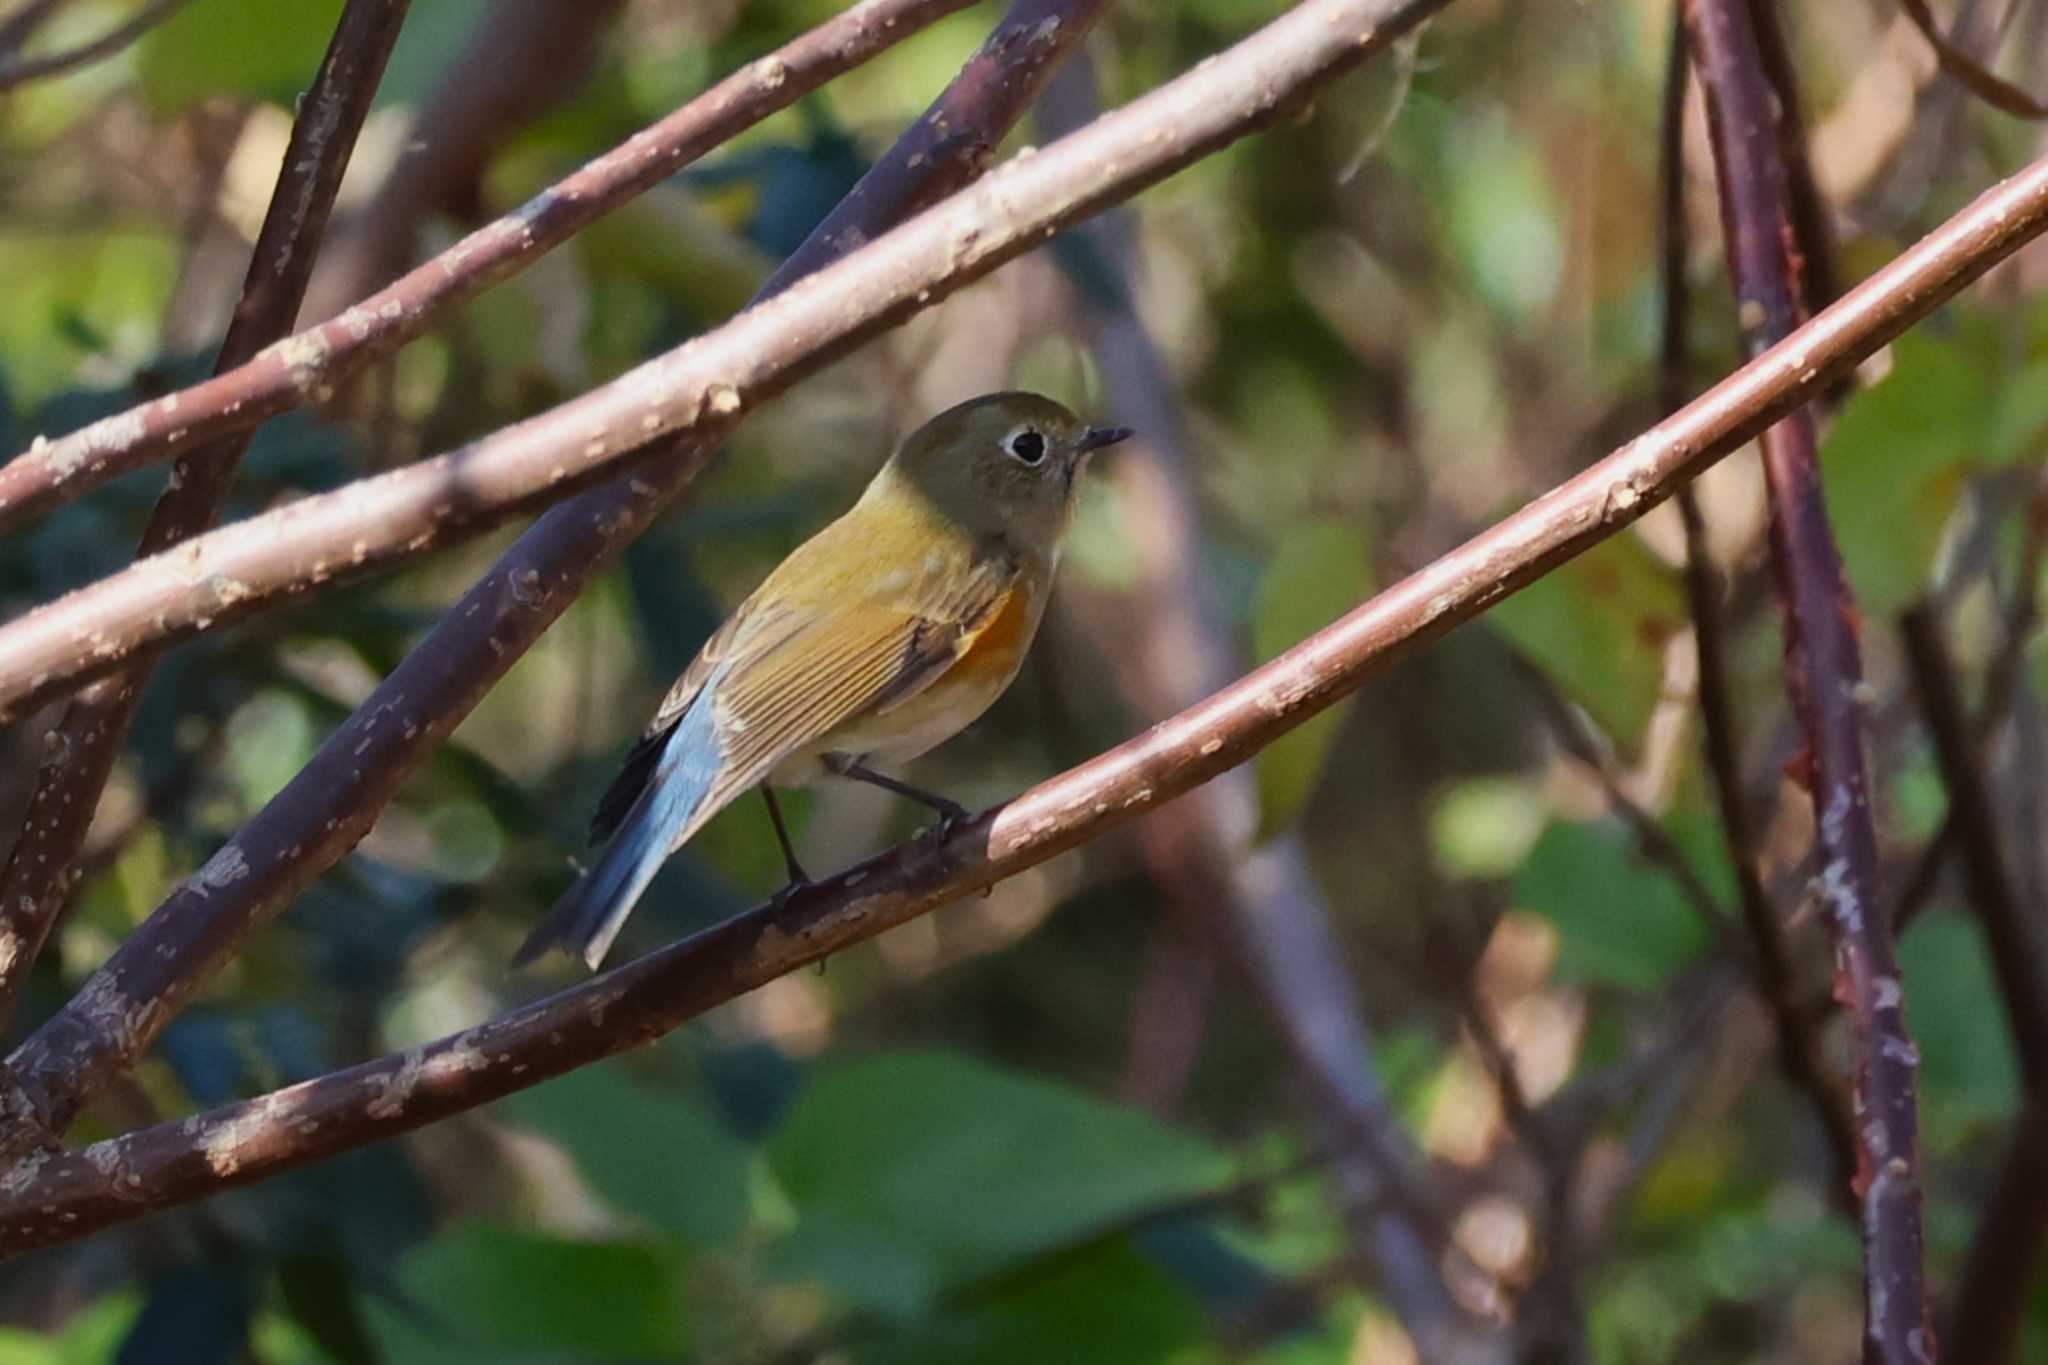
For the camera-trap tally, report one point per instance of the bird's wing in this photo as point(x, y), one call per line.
point(857, 659)
point(790, 674)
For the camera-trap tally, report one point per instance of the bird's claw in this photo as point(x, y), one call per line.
point(778, 904)
point(952, 815)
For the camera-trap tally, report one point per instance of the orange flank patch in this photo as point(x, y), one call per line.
point(995, 648)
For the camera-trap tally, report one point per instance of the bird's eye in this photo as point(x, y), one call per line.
point(1026, 444)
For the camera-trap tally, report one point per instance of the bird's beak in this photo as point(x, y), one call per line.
point(1098, 437)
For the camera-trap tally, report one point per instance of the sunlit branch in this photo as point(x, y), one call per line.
point(1824, 675)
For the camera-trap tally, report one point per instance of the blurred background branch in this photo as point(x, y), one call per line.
point(1801, 1051)
point(19, 27)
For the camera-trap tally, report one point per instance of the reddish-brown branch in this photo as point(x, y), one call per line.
point(316, 360)
point(703, 387)
point(1802, 1053)
point(45, 1198)
point(88, 737)
point(1973, 814)
point(2022, 616)
point(1652, 840)
point(1820, 283)
point(1979, 79)
point(1824, 675)
point(1801, 1044)
point(26, 69)
point(333, 800)
point(21, 24)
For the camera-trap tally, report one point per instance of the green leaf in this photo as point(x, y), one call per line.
point(973, 1166)
point(1967, 1073)
point(89, 1336)
point(1318, 573)
point(250, 47)
point(1104, 1305)
point(1618, 921)
point(649, 1153)
point(1485, 826)
point(1596, 626)
point(2020, 419)
point(322, 1297)
point(113, 285)
point(1893, 464)
point(863, 1264)
point(483, 1292)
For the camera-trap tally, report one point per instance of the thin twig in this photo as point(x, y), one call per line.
point(1820, 282)
point(1824, 675)
point(319, 359)
point(1801, 1050)
point(21, 25)
point(26, 69)
point(86, 740)
point(1976, 77)
point(1652, 839)
point(2008, 674)
point(2008, 925)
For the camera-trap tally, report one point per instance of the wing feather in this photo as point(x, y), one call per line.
point(791, 674)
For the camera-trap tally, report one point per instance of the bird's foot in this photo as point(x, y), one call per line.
point(951, 814)
point(779, 903)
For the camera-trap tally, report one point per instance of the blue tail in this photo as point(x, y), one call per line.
point(589, 915)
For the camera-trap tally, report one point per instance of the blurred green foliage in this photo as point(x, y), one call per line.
point(1049, 1125)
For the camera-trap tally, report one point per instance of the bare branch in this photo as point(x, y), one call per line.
point(2008, 672)
point(313, 362)
point(21, 24)
point(26, 69)
point(332, 801)
point(1972, 74)
point(1820, 283)
point(1973, 814)
point(1802, 1054)
point(1824, 674)
point(82, 748)
point(45, 1198)
point(1652, 840)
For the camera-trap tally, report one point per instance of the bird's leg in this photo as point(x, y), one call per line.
point(798, 878)
point(951, 813)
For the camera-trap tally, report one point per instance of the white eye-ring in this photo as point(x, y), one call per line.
point(1026, 444)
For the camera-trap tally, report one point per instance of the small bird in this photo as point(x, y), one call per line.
point(885, 634)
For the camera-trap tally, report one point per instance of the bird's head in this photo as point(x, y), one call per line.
point(1004, 462)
